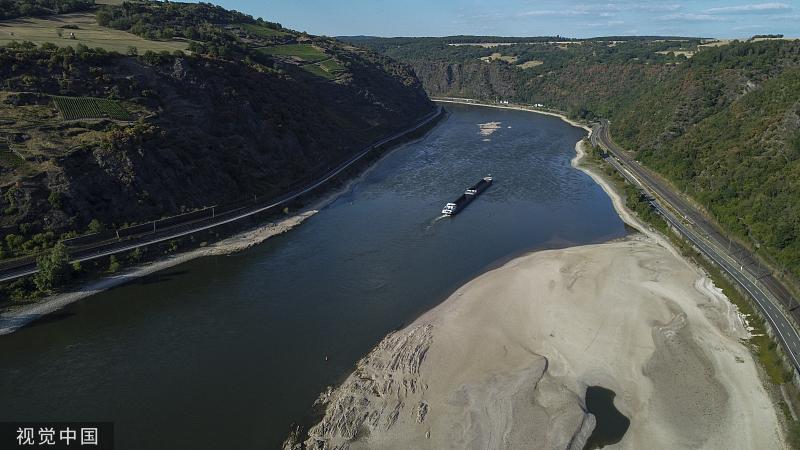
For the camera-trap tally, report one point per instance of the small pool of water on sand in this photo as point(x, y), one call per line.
point(611, 424)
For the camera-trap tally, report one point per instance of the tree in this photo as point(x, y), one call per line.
point(113, 264)
point(95, 226)
point(54, 268)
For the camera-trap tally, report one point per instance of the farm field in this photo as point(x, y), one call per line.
point(260, 31)
point(9, 159)
point(328, 68)
point(530, 64)
point(686, 53)
point(72, 108)
point(495, 56)
point(332, 66)
point(89, 33)
point(306, 52)
point(316, 61)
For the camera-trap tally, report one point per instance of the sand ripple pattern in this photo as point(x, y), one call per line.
point(373, 396)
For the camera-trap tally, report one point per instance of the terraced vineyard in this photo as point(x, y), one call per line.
point(313, 59)
point(9, 161)
point(260, 30)
point(329, 68)
point(332, 66)
point(305, 52)
point(72, 108)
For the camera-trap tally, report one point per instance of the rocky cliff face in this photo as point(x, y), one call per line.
point(474, 79)
point(206, 131)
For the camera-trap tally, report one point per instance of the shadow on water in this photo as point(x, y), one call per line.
point(155, 278)
point(32, 320)
point(611, 424)
point(160, 277)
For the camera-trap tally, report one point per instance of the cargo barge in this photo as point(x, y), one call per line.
point(455, 207)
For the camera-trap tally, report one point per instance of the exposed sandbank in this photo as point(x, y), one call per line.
point(504, 362)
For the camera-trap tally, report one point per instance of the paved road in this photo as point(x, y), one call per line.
point(694, 227)
point(119, 246)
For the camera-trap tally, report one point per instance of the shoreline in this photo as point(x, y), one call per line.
point(14, 317)
point(616, 199)
point(475, 102)
point(464, 373)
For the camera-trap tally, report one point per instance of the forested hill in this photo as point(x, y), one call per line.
point(102, 127)
point(720, 119)
point(10, 9)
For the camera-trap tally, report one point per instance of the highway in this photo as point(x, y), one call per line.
point(28, 267)
point(692, 225)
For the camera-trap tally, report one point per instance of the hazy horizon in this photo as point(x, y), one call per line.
point(575, 19)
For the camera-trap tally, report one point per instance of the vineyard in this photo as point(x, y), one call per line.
point(72, 108)
point(305, 52)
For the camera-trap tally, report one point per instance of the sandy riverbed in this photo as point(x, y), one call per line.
point(504, 362)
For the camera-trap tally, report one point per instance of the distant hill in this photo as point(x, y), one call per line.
point(10, 9)
point(721, 119)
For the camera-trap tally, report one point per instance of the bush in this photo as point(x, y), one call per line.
point(135, 255)
point(54, 269)
point(794, 434)
point(95, 226)
point(113, 264)
point(54, 199)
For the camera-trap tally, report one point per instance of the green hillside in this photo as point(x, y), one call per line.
point(726, 129)
point(719, 119)
point(99, 131)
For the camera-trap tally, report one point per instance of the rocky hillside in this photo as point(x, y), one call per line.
point(721, 120)
point(92, 136)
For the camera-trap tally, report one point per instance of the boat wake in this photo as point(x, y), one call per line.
point(430, 225)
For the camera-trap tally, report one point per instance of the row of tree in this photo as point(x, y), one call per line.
point(10, 9)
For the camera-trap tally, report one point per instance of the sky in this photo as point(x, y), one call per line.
point(578, 18)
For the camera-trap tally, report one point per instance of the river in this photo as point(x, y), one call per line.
point(229, 351)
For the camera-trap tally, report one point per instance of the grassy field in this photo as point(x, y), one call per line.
point(329, 68)
point(305, 52)
point(11, 162)
point(317, 62)
point(8, 158)
point(530, 64)
point(686, 53)
point(499, 56)
point(89, 33)
point(260, 31)
point(72, 108)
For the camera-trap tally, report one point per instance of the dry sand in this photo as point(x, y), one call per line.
point(505, 361)
point(487, 129)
